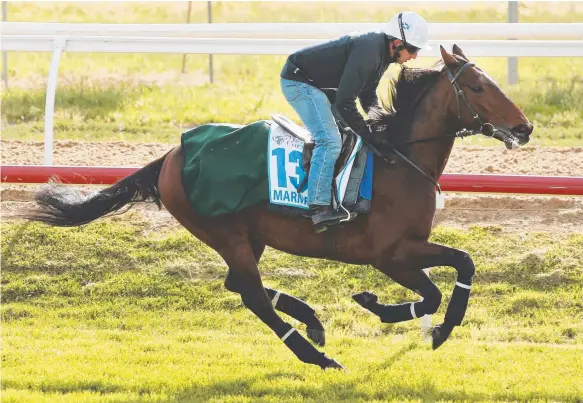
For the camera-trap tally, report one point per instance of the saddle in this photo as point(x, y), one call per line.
point(348, 143)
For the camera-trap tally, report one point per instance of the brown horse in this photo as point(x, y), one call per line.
point(430, 108)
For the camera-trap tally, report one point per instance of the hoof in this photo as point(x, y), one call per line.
point(332, 364)
point(364, 299)
point(317, 336)
point(440, 334)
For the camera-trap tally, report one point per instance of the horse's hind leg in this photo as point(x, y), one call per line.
point(244, 278)
point(230, 239)
point(292, 306)
point(301, 311)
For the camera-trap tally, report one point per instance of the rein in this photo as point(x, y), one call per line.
point(487, 129)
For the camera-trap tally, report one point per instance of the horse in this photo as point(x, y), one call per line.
point(413, 140)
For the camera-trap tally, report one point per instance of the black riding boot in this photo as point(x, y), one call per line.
point(322, 216)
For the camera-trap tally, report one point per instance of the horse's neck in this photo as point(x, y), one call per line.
point(431, 120)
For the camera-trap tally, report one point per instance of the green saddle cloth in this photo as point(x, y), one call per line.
point(225, 167)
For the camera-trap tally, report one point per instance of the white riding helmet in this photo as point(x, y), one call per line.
point(411, 28)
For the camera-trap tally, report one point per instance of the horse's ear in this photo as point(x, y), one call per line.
point(448, 59)
point(458, 51)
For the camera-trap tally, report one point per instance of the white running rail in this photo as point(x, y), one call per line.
point(529, 40)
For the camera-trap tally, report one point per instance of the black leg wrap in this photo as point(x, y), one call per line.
point(456, 309)
point(458, 304)
point(302, 348)
point(296, 308)
point(429, 305)
point(397, 313)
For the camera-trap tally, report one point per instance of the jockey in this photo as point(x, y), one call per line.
point(353, 65)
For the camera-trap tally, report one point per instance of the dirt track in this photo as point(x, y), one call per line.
point(526, 160)
point(514, 213)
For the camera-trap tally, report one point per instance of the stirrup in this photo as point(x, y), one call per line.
point(324, 225)
point(335, 219)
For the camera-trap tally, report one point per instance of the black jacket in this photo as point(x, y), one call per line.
point(353, 64)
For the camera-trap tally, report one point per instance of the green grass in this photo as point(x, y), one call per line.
point(113, 312)
point(145, 97)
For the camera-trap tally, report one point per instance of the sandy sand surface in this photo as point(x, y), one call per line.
point(514, 213)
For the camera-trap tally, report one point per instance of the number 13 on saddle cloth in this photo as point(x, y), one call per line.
point(229, 167)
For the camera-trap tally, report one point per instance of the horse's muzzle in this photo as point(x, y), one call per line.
point(523, 130)
point(522, 133)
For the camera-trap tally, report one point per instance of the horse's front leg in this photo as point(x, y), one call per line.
point(413, 256)
point(415, 280)
point(456, 309)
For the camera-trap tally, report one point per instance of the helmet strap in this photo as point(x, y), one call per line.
point(397, 51)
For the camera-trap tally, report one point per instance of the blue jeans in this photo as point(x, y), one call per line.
point(314, 109)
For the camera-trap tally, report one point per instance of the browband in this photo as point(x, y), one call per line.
point(460, 71)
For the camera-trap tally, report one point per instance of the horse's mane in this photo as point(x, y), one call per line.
point(394, 119)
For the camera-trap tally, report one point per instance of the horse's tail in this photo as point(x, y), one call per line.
point(63, 206)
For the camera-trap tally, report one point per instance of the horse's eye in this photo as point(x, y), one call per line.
point(477, 88)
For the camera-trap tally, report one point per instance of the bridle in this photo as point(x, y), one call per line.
point(487, 129)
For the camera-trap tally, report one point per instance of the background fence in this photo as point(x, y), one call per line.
point(284, 38)
point(482, 183)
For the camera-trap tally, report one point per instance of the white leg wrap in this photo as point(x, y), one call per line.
point(413, 310)
point(467, 287)
point(289, 332)
point(275, 298)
